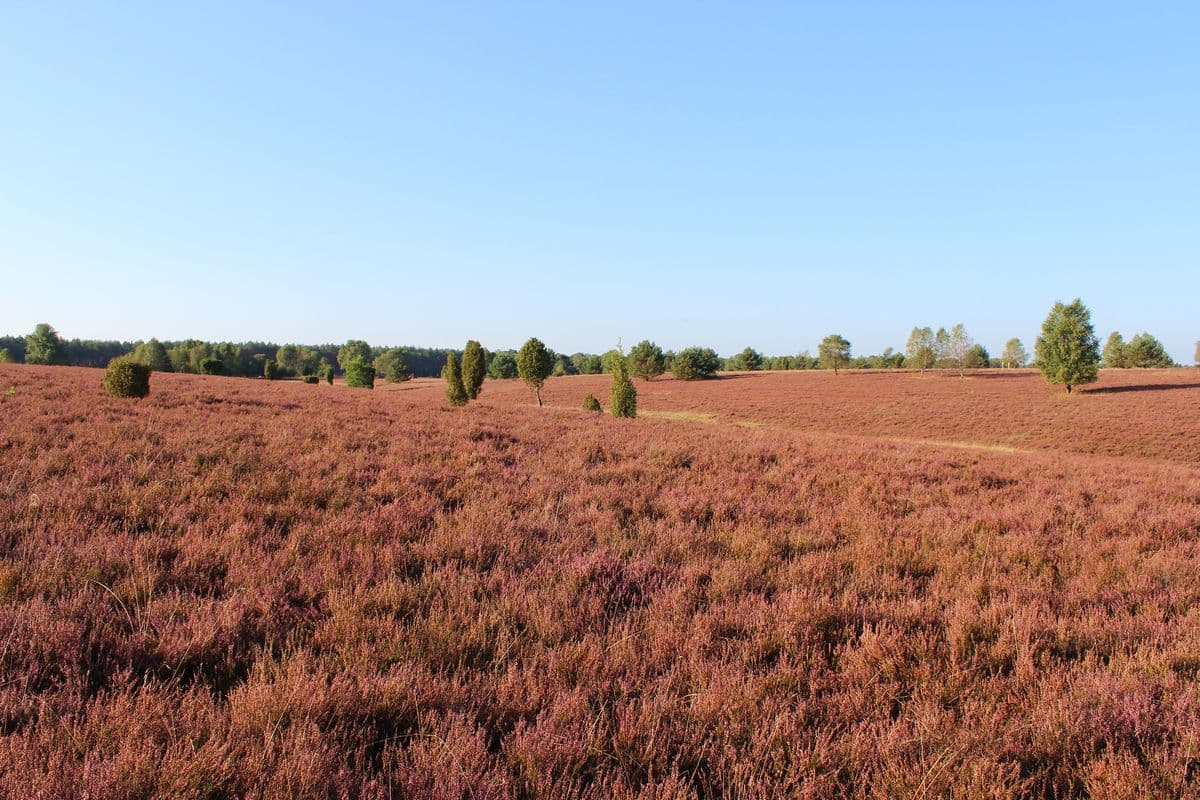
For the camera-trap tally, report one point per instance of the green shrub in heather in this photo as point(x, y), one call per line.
point(474, 368)
point(359, 374)
point(590, 403)
point(622, 397)
point(456, 393)
point(125, 377)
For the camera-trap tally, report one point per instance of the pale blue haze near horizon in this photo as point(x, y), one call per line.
point(721, 174)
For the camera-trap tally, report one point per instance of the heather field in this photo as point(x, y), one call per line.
point(768, 585)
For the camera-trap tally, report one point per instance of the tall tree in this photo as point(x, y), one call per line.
point(646, 360)
point(941, 343)
point(354, 349)
point(456, 393)
point(534, 364)
point(45, 346)
point(958, 345)
point(622, 397)
point(833, 352)
point(919, 352)
point(153, 355)
point(1014, 354)
point(1114, 353)
point(1068, 351)
point(474, 368)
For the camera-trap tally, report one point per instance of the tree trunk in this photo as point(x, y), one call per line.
point(538, 393)
point(1068, 388)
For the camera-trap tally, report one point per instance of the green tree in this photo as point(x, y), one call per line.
point(920, 352)
point(1014, 354)
point(590, 403)
point(646, 360)
point(622, 397)
point(1114, 354)
point(474, 368)
point(211, 366)
point(1144, 351)
point(587, 364)
point(125, 377)
point(270, 369)
point(456, 393)
point(695, 363)
point(978, 357)
point(5, 356)
point(534, 364)
point(1068, 351)
point(503, 365)
point(1196, 356)
point(351, 350)
point(289, 359)
point(749, 359)
point(45, 346)
point(359, 373)
point(327, 372)
point(833, 352)
point(153, 355)
point(392, 365)
point(958, 345)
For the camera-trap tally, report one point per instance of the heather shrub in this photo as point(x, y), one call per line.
point(125, 377)
point(590, 403)
point(359, 374)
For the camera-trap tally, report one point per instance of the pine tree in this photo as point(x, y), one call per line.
point(646, 360)
point(456, 394)
point(1067, 351)
point(474, 368)
point(622, 397)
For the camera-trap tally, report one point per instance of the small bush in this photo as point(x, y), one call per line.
point(590, 403)
point(359, 374)
point(270, 369)
point(622, 397)
point(127, 378)
point(327, 374)
point(310, 378)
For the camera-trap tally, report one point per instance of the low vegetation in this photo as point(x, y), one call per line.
point(367, 595)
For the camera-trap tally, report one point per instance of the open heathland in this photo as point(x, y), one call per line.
point(767, 585)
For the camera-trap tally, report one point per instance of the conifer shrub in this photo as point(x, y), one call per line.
point(590, 403)
point(622, 396)
point(474, 368)
point(270, 369)
point(311, 379)
point(127, 378)
point(327, 373)
point(456, 393)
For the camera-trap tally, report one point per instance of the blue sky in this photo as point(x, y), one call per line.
point(723, 174)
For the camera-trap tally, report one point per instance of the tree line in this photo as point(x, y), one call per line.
point(360, 363)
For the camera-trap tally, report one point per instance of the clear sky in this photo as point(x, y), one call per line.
point(714, 173)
